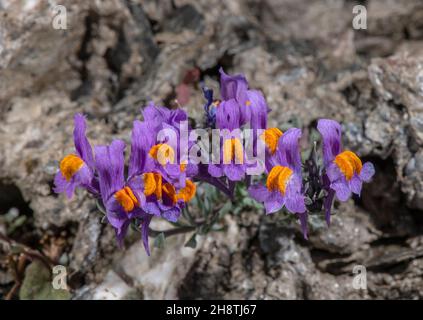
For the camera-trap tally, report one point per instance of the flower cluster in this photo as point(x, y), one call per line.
point(161, 178)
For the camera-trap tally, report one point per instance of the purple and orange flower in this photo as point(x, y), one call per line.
point(122, 198)
point(148, 191)
point(252, 105)
point(284, 180)
point(77, 170)
point(160, 177)
point(344, 170)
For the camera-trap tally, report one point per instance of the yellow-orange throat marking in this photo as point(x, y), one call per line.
point(163, 153)
point(169, 190)
point(70, 165)
point(126, 199)
point(152, 184)
point(271, 138)
point(278, 178)
point(349, 163)
point(188, 192)
point(185, 194)
point(232, 148)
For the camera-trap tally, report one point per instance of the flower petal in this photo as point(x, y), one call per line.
point(172, 214)
point(331, 134)
point(233, 87)
point(116, 218)
point(61, 185)
point(303, 222)
point(295, 203)
point(367, 171)
point(343, 192)
point(155, 115)
point(215, 170)
point(228, 115)
point(83, 176)
point(152, 207)
point(294, 200)
point(258, 109)
point(274, 202)
point(289, 150)
point(355, 184)
point(142, 139)
point(82, 145)
point(333, 173)
point(258, 192)
point(121, 232)
point(191, 170)
point(110, 166)
point(234, 172)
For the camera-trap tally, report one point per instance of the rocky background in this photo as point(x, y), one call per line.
point(116, 55)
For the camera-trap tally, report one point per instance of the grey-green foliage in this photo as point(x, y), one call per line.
point(159, 241)
point(37, 284)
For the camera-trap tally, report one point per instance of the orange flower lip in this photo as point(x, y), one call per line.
point(163, 153)
point(232, 149)
point(70, 165)
point(185, 194)
point(349, 163)
point(271, 138)
point(126, 199)
point(152, 184)
point(169, 190)
point(188, 192)
point(278, 178)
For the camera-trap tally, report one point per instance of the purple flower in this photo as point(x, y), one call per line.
point(157, 116)
point(153, 169)
point(232, 153)
point(123, 200)
point(253, 107)
point(284, 180)
point(210, 107)
point(235, 87)
point(142, 140)
point(228, 115)
point(258, 109)
point(233, 160)
point(344, 171)
point(152, 188)
point(167, 156)
point(77, 170)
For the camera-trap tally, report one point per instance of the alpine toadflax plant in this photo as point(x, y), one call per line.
point(164, 175)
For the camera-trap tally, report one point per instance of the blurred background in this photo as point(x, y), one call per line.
point(113, 56)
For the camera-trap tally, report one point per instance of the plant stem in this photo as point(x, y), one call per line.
point(219, 185)
point(12, 291)
point(171, 232)
point(34, 254)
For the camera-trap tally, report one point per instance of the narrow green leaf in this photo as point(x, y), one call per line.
point(192, 242)
point(159, 241)
point(227, 207)
point(308, 201)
